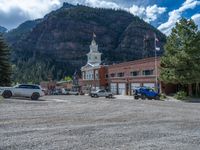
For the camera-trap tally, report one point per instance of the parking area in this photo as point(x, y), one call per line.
point(81, 122)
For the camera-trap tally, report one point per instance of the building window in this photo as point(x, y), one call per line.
point(83, 75)
point(96, 75)
point(147, 72)
point(135, 73)
point(121, 74)
point(112, 75)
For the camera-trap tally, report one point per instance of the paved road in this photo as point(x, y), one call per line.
point(82, 123)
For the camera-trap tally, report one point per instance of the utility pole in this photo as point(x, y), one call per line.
point(156, 67)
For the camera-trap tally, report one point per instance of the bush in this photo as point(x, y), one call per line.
point(1, 98)
point(181, 95)
point(162, 96)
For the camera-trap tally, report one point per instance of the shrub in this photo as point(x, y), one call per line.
point(162, 96)
point(1, 98)
point(181, 95)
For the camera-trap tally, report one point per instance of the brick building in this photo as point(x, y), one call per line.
point(124, 77)
point(121, 78)
point(93, 73)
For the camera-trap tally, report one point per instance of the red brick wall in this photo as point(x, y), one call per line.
point(128, 67)
point(103, 71)
point(138, 65)
point(101, 82)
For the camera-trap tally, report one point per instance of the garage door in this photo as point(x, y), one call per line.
point(150, 85)
point(113, 88)
point(122, 88)
point(134, 85)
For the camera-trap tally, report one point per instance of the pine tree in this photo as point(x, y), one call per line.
point(5, 65)
point(181, 61)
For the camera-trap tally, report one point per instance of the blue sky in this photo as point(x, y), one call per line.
point(163, 14)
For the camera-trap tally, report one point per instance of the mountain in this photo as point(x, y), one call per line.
point(21, 32)
point(60, 41)
point(2, 29)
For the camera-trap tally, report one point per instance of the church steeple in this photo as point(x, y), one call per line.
point(94, 56)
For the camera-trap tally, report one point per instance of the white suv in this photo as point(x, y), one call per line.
point(22, 90)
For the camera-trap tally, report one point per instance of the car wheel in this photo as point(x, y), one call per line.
point(35, 96)
point(136, 97)
point(95, 95)
point(7, 94)
point(143, 97)
point(157, 98)
point(110, 96)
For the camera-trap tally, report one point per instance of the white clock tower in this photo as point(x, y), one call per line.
point(93, 71)
point(94, 56)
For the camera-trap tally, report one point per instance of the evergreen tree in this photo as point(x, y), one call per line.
point(5, 65)
point(181, 61)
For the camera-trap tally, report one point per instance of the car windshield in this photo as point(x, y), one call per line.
point(16, 86)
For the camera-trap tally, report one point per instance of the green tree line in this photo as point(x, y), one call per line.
point(181, 61)
point(5, 65)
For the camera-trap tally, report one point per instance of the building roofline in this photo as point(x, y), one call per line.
point(139, 61)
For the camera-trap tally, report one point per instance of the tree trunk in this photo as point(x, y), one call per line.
point(197, 89)
point(190, 89)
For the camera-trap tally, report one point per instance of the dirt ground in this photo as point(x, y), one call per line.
point(83, 123)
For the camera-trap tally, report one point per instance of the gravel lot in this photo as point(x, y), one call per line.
point(82, 123)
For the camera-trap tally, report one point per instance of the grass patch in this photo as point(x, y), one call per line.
point(162, 96)
point(181, 95)
point(1, 98)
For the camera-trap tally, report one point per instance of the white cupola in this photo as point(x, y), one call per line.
point(94, 56)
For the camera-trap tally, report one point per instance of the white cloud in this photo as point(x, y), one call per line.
point(138, 11)
point(32, 8)
point(23, 10)
point(175, 15)
point(152, 12)
point(100, 3)
point(149, 13)
point(196, 19)
point(189, 4)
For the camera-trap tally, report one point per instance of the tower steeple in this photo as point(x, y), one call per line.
point(94, 56)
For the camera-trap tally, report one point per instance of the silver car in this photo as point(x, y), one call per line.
point(101, 93)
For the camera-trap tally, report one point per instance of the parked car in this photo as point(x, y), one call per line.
point(145, 92)
point(22, 90)
point(63, 91)
point(55, 92)
point(73, 92)
point(101, 93)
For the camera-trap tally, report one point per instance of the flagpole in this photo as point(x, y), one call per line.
point(156, 69)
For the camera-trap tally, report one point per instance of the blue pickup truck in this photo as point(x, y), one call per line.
point(145, 92)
